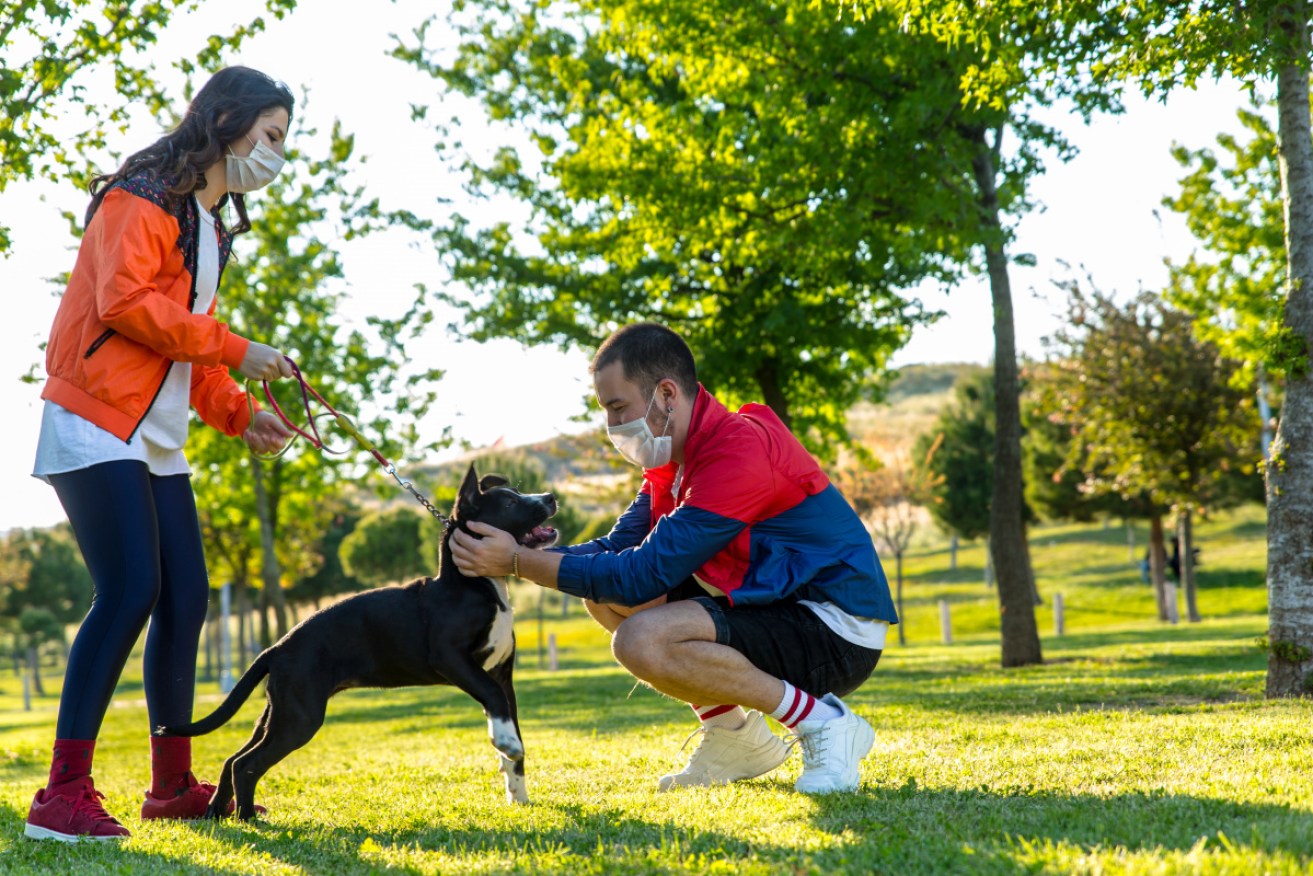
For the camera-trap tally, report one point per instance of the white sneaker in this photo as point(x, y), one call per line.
point(833, 750)
point(730, 755)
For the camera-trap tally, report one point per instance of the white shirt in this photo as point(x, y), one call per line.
point(69, 442)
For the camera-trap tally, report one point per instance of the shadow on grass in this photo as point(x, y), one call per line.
point(18, 854)
point(905, 830)
point(957, 831)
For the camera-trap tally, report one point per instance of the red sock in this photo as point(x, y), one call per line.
point(795, 707)
point(170, 764)
point(706, 713)
point(72, 761)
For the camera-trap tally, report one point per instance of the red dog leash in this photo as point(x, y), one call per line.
point(343, 422)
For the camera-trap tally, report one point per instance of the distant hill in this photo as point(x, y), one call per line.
point(586, 466)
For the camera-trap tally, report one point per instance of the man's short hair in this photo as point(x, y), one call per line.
point(648, 353)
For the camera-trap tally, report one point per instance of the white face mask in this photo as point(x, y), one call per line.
point(246, 173)
point(637, 444)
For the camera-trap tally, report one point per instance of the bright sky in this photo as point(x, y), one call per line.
point(1101, 215)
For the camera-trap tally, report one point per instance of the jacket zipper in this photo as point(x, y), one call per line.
point(99, 342)
point(191, 302)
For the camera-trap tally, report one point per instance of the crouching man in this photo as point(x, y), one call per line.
point(739, 577)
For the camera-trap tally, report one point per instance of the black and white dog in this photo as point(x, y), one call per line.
point(445, 630)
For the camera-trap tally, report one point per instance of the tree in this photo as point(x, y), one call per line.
point(384, 548)
point(753, 178)
point(51, 55)
point(1162, 45)
point(284, 288)
point(768, 180)
point(1153, 410)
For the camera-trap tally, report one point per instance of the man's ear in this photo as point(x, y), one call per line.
point(492, 480)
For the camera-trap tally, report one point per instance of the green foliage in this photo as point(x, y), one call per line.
point(755, 177)
point(962, 485)
point(42, 569)
point(284, 288)
point(1231, 201)
point(1151, 409)
point(1290, 652)
point(330, 579)
point(50, 53)
point(384, 548)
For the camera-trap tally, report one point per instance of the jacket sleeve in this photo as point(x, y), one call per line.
point(220, 400)
point(679, 544)
point(136, 240)
point(628, 531)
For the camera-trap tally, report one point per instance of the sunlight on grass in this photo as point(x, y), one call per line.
point(1136, 748)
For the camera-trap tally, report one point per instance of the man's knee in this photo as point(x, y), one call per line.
point(640, 643)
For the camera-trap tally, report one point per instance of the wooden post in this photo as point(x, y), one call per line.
point(551, 652)
point(945, 622)
point(1059, 619)
point(27, 693)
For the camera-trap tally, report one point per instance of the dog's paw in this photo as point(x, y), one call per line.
point(505, 738)
point(214, 813)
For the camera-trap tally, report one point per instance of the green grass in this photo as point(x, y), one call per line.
point(1136, 748)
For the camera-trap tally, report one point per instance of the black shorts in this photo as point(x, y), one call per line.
point(789, 641)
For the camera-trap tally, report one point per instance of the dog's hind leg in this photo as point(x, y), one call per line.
point(290, 725)
point(223, 794)
point(516, 789)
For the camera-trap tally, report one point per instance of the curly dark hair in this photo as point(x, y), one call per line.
point(222, 111)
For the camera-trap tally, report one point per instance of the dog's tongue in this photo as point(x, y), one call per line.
point(542, 533)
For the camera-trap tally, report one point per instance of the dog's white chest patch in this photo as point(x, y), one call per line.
point(501, 634)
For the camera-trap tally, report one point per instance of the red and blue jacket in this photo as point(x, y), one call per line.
point(752, 517)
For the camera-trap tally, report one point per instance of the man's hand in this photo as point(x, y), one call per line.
point(266, 434)
point(489, 556)
point(263, 362)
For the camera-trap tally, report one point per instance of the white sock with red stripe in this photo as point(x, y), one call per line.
point(730, 716)
point(798, 706)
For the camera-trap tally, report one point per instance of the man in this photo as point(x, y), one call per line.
point(738, 577)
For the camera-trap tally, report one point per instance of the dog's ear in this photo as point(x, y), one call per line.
point(467, 497)
point(492, 480)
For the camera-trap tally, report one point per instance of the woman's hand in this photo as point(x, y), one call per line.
point(263, 362)
point(489, 556)
point(266, 434)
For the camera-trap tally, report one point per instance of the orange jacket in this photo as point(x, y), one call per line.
point(126, 317)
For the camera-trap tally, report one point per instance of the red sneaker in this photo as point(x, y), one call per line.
point(71, 812)
point(188, 802)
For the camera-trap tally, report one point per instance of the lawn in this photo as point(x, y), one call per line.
point(1136, 748)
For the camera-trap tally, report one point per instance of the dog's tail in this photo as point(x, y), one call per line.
point(220, 716)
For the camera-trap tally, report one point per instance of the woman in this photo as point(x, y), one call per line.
point(134, 345)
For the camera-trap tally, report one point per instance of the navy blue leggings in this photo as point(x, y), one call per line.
point(141, 541)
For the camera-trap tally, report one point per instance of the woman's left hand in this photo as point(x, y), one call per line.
point(266, 434)
point(490, 555)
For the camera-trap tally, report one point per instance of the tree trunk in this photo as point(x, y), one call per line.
point(1185, 536)
point(35, 666)
point(952, 552)
point(772, 393)
point(243, 601)
point(1290, 472)
point(270, 574)
point(1158, 566)
point(1007, 542)
point(902, 623)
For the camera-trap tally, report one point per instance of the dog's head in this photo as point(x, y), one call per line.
point(492, 501)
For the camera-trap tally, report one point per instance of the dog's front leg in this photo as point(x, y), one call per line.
point(489, 692)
